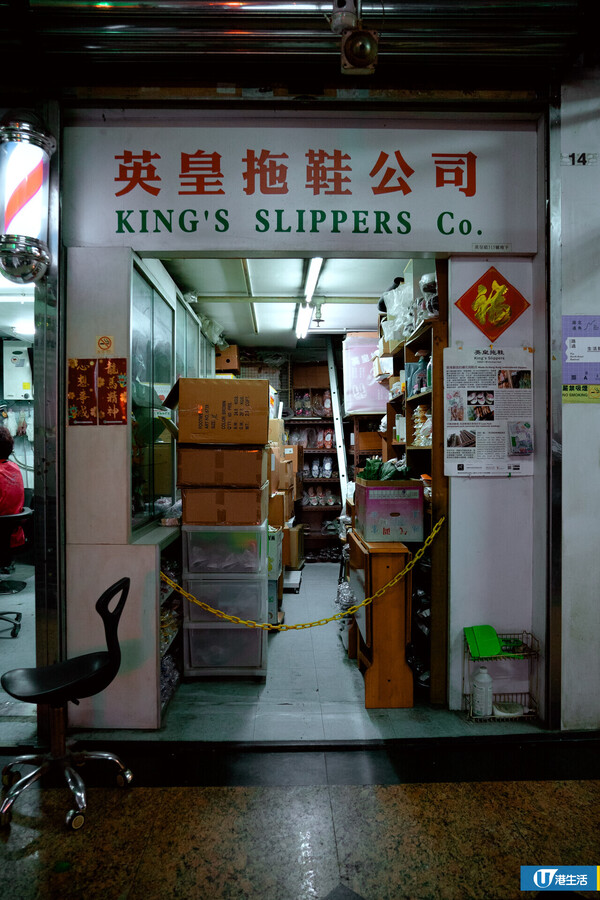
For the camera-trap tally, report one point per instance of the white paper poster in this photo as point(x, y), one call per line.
point(488, 411)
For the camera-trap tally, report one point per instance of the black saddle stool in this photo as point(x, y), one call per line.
point(8, 525)
point(54, 686)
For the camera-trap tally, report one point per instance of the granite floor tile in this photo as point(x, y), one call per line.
point(438, 841)
point(240, 843)
point(40, 858)
point(460, 840)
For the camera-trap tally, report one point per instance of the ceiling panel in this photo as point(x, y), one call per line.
point(247, 297)
point(276, 277)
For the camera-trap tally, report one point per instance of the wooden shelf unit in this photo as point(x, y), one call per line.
point(313, 381)
point(431, 336)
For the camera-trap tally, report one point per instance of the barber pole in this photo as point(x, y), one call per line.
point(25, 151)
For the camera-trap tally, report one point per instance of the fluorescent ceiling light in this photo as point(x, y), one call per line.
point(304, 316)
point(314, 270)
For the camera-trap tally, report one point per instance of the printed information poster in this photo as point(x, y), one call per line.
point(488, 411)
point(581, 359)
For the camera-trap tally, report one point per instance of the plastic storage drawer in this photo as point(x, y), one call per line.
point(227, 649)
point(225, 549)
point(239, 595)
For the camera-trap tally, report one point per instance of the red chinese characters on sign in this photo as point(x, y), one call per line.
point(264, 172)
point(138, 170)
point(400, 183)
point(82, 401)
point(324, 172)
point(97, 392)
point(201, 173)
point(456, 169)
point(493, 304)
point(112, 391)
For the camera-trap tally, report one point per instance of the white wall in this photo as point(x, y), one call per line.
point(492, 540)
point(580, 193)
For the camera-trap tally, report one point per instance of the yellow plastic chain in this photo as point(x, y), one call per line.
point(268, 626)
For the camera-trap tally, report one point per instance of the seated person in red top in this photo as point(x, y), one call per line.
point(12, 495)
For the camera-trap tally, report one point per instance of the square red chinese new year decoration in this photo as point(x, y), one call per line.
point(493, 304)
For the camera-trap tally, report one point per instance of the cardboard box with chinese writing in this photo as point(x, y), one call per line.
point(281, 507)
point(276, 431)
point(286, 473)
point(389, 510)
point(273, 453)
point(296, 453)
point(228, 465)
point(221, 410)
point(293, 546)
point(225, 506)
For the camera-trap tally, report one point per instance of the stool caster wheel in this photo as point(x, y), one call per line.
point(5, 819)
point(75, 819)
point(9, 777)
point(125, 778)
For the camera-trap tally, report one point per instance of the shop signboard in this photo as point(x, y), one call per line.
point(360, 185)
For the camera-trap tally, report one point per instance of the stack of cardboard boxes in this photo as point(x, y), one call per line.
point(222, 470)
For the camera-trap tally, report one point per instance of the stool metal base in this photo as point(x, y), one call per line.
point(8, 586)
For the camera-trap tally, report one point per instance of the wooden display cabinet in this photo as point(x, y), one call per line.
point(381, 630)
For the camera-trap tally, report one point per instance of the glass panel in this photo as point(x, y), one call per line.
point(192, 346)
point(152, 377)
point(162, 457)
point(141, 406)
point(180, 349)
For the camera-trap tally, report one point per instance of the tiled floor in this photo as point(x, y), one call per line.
point(291, 790)
point(312, 692)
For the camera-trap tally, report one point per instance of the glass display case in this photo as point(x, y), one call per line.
point(152, 332)
point(166, 343)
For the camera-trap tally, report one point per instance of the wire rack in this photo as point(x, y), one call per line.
point(525, 647)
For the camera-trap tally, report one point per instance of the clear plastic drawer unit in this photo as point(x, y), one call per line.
point(225, 550)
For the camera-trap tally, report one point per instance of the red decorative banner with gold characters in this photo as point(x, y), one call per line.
point(97, 391)
point(493, 304)
point(112, 391)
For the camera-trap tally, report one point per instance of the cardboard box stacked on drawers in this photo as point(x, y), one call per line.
point(285, 476)
point(222, 460)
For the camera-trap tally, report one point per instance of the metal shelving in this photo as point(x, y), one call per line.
point(526, 652)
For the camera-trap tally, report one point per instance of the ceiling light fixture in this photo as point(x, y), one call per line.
point(305, 311)
point(314, 270)
point(303, 322)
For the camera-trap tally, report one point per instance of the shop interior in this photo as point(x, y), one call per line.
point(311, 689)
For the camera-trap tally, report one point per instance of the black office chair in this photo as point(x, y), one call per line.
point(9, 524)
point(55, 686)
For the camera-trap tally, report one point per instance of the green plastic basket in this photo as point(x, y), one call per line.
point(484, 642)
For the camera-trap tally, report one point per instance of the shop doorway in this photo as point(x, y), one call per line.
point(314, 689)
point(204, 702)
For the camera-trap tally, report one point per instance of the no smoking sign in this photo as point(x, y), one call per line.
point(104, 343)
